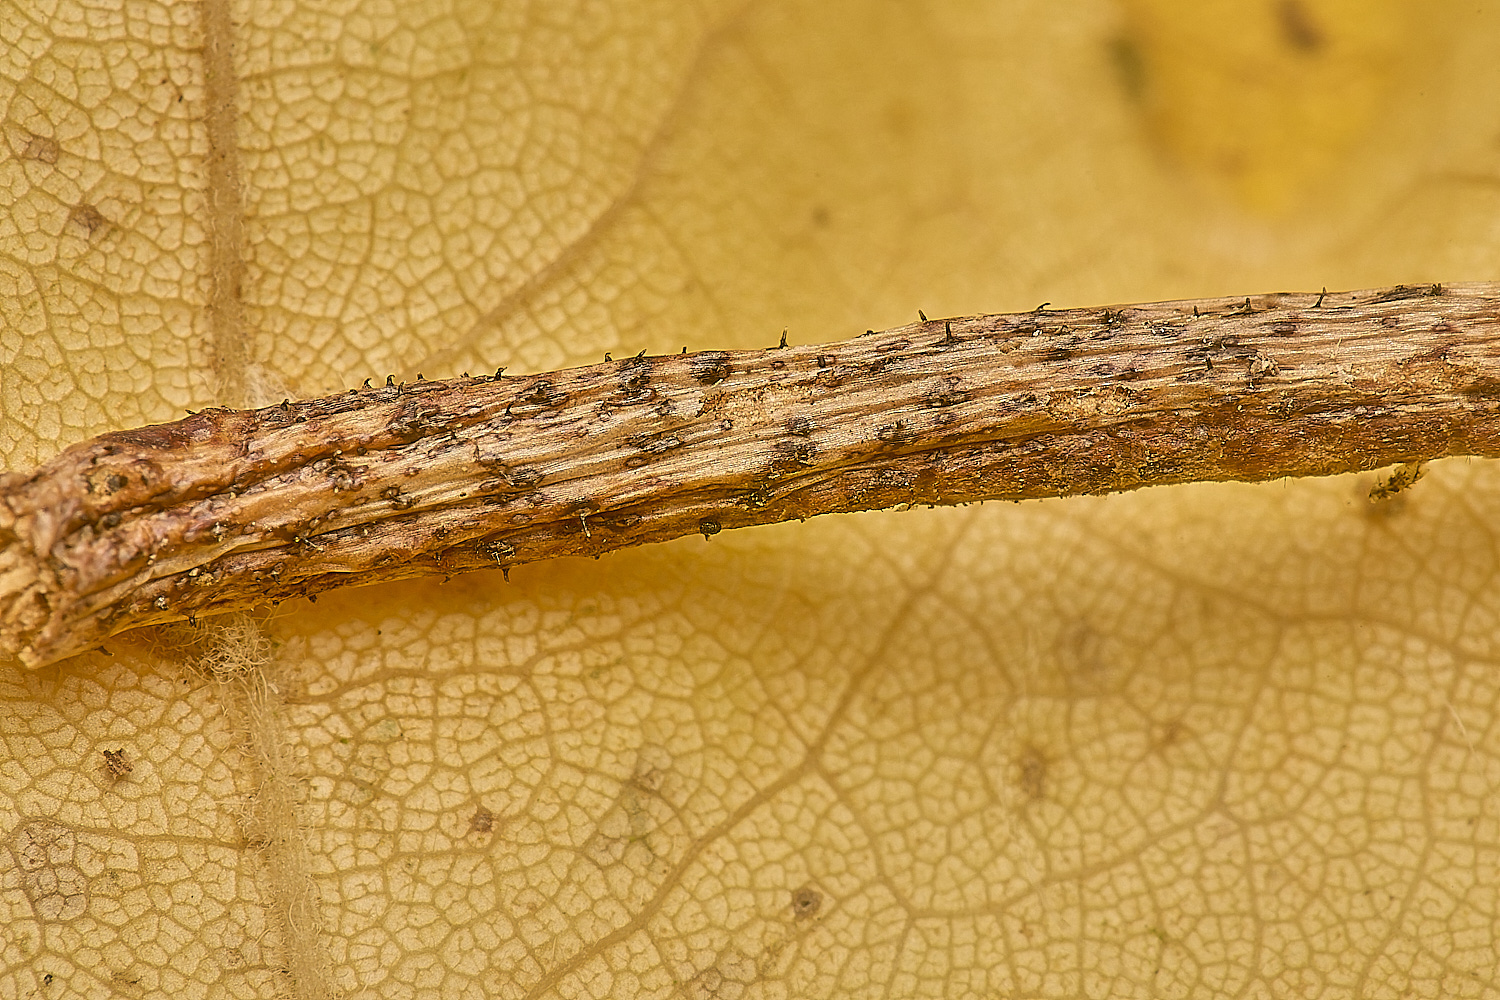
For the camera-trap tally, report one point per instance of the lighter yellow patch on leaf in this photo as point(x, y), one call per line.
point(1265, 99)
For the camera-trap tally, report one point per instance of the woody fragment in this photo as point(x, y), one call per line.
point(228, 509)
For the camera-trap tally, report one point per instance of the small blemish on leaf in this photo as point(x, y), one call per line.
point(806, 902)
point(1298, 29)
point(1168, 735)
point(1031, 773)
point(117, 765)
point(1129, 66)
point(88, 217)
point(483, 821)
point(41, 148)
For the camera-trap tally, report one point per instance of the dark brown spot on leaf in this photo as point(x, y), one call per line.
point(116, 764)
point(483, 821)
point(89, 218)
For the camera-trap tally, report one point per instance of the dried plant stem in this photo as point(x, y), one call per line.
point(227, 509)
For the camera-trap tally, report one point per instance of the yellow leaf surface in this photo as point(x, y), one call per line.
point(1198, 741)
